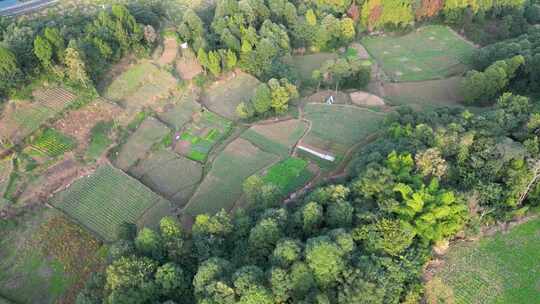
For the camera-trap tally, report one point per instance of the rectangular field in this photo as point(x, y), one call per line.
point(430, 52)
point(104, 200)
point(150, 132)
point(503, 268)
point(222, 186)
point(336, 128)
point(201, 135)
point(170, 175)
point(443, 92)
point(277, 138)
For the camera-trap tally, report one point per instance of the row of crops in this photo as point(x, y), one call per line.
point(103, 201)
point(53, 143)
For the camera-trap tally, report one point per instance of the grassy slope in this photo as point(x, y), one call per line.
point(337, 128)
point(431, 52)
point(504, 268)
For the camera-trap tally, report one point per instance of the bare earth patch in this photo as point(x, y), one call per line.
point(188, 66)
point(322, 97)
point(170, 50)
point(361, 98)
point(79, 123)
point(361, 50)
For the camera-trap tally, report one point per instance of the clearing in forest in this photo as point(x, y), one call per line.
point(430, 52)
point(225, 95)
point(139, 86)
point(503, 268)
point(222, 186)
point(170, 51)
point(199, 137)
point(278, 138)
point(336, 128)
point(106, 199)
point(170, 175)
point(306, 64)
point(187, 65)
point(150, 132)
point(46, 258)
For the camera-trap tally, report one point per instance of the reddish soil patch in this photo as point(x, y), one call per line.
point(188, 66)
point(56, 178)
point(170, 51)
point(182, 147)
point(79, 123)
point(361, 50)
point(361, 98)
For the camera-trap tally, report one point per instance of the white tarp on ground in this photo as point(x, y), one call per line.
point(318, 154)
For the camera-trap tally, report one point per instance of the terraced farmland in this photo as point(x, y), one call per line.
point(104, 200)
point(222, 186)
point(139, 143)
point(22, 118)
point(278, 138)
point(173, 176)
point(201, 135)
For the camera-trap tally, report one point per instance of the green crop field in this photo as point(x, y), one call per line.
point(336, 128)
point(222, 186)
point(200, 136)
point(104, 200)
point(277, 138)
point(150, 132)
point(169, 175)
point(503, 268)
point(288, 175)
point(224, 96)
point(430, 52)
point(53, 143)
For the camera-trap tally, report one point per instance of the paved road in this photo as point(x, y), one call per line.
point(26, 7)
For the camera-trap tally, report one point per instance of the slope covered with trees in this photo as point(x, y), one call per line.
point(429, 177)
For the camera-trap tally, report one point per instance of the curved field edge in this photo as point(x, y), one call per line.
point(503, 268)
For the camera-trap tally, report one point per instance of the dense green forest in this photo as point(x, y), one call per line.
point(430, 175)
